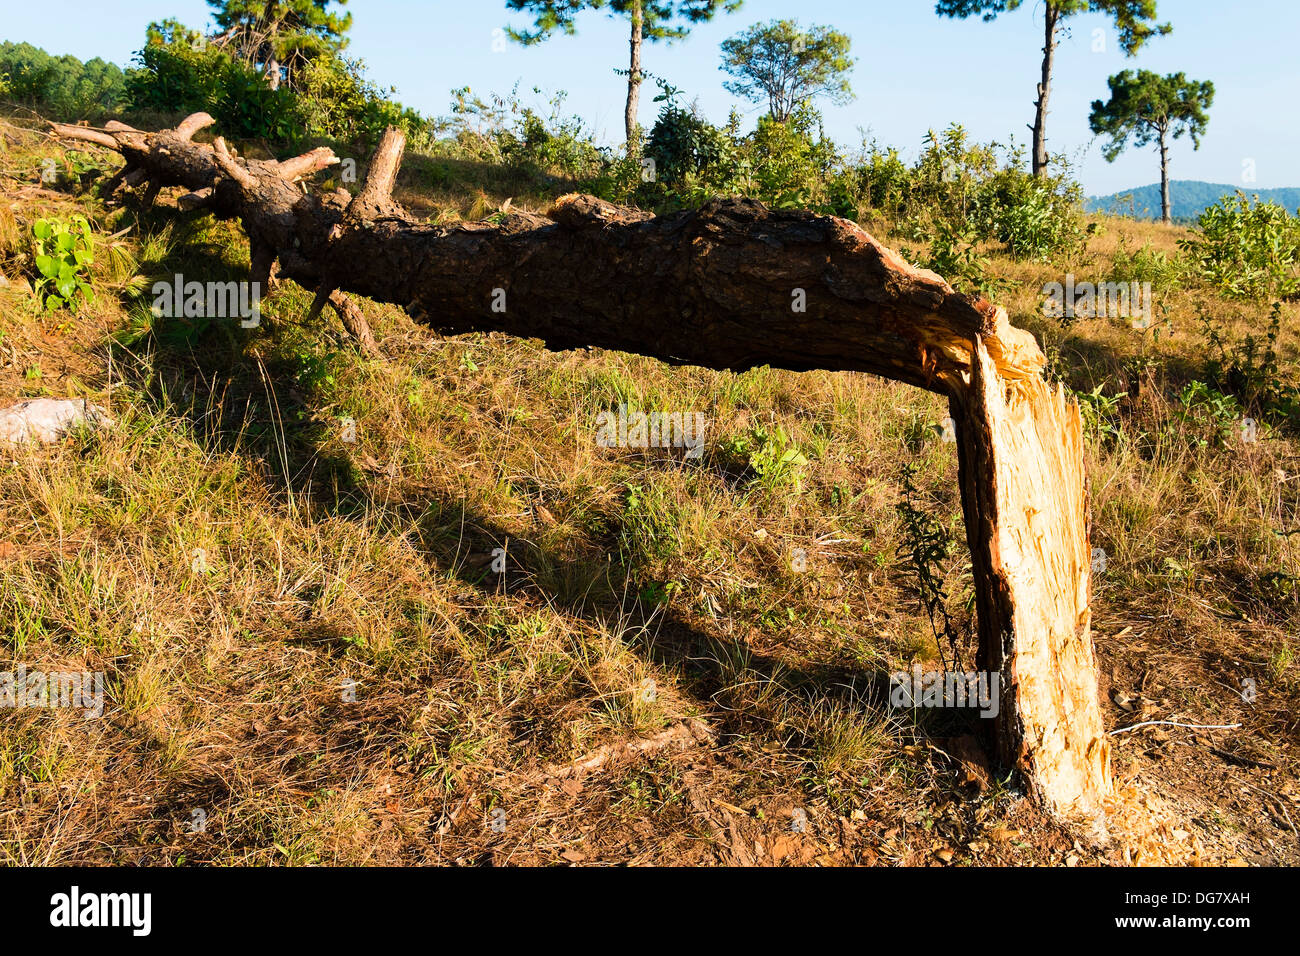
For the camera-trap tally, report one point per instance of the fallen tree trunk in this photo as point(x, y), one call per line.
point(731, 286)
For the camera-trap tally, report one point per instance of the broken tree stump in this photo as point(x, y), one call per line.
point(733, 285)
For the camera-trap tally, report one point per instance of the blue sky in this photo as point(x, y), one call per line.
point(915, 71)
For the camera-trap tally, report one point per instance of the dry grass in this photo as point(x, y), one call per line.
point(310, 659)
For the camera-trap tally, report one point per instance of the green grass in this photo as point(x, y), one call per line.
point(343, 678)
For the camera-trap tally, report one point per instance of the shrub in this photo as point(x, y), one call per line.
point(772, 455)
point(964, 190)
point(884, 181)
point(1245, 249)
point(684, 146)
point(1142, 265)
point(1033, 218)
point(789, 167)
point(179, 72)
point(953, 255)
point(506, 131)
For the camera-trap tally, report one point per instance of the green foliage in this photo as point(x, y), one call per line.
point(333, 98)
point(61, 85)
point(1134, 19)
point(286, 36)
point(787, 164)
point(1250, 368)
point(1246, 249)
point(926, 547)
point(1143, 265)
point(686, 147)
point(787, 66)
point(1214, 416)
point(952, 254)
point(1033, 217)
point(506, 131)
point(884, 180)
point(63, 251)
point(958, 192)
point(1100, 414)
point(661, 19)
point(1148, 108)
point(774, 458)
point(182, 71)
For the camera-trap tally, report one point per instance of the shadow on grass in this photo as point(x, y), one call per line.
point(242, 398)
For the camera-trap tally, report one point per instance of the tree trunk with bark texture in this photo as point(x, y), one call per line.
point(634, 81)
point(732, 286)
point(1166, 204)
point(1051, 17)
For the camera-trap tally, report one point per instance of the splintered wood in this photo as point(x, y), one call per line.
point(714, 287)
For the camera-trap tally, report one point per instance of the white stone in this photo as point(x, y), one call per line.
point(47, 419)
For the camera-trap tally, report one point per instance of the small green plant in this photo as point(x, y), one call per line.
point(1100, 414)
point(1215, 415)
point(952, 255)
point(926, 548)
point(773, 456)
point(1142, 265)
point(1250, 367)
point(63, 251)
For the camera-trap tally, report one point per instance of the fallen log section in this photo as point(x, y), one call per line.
point(730, 286)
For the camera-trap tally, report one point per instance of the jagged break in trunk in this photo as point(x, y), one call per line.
point(731, 286)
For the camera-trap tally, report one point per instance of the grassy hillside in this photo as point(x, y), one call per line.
point(311, 659)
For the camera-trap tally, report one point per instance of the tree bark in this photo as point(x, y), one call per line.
point(732, 286)
point(1051, 18)
point(634, 81)
point(1166, 207)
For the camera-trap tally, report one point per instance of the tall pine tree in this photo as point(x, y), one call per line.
point(652, 20)
point(280, 37)
point(1134, 20)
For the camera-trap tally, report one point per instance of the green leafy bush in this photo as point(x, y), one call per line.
point(180, 72)
point(790, 165)
point(505, 130)
point(1143, 265)
point(63, 251)
point(966, 189)
point(1246, 249)
point(687, 148)
point(884, 180)
point(1033, 218)
point(952, 254)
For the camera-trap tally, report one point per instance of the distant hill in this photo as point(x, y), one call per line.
point(1190, 197)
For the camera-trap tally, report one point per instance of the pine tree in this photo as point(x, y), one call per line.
point(279, 37)
point(653, 20)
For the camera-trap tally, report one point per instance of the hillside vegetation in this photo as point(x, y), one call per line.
point(409, 608)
